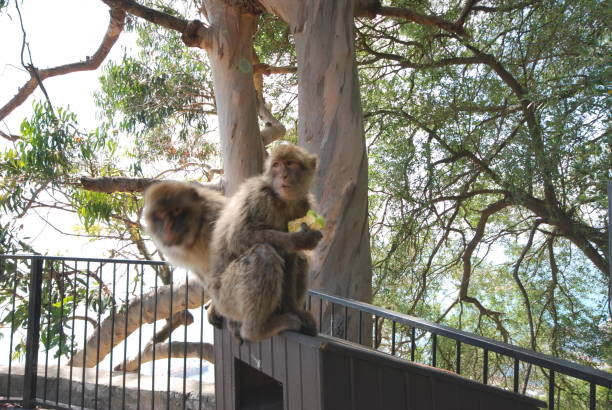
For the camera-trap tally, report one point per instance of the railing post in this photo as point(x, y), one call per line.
point(33, 335)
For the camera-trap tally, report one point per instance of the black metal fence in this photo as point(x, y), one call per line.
point(419, 340)
point(85, 333)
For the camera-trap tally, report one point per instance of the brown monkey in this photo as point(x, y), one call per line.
point(258, 272)
point(180, 218)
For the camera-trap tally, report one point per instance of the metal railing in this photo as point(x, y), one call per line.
point(68, 303)
point(85, 332)
point(518, 355)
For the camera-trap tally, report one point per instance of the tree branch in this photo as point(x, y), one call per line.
point(194, 33)
point(115, 27)
point(155, 305)
point(273, 129)
point(166, 350)
point(422, 19)
point(110, 185)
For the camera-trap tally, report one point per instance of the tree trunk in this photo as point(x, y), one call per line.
point(230, 55)
point(331, 125)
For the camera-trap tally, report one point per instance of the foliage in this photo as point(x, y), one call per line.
point(488, 172)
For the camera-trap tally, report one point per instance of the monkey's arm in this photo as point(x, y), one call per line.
point(289, 241)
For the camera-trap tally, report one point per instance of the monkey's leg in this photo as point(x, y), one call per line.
point(214, 318)
point(295, 290)
point(274, 324)
point(251, 291)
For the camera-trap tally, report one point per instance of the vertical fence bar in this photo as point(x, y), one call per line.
point(185, 344)
point(375, 332)
point(154, 343)
point(49, 295)
point(85, 334)
point(10, 366)
point(551, 390)
point(321, 315)
point(74, 304)
point(33, 335)
point(201, 352)
point(458, 356)
point(98, 335)
point(110, 365)
point(412, 343)
point(61, 328)
point(485, 366)
point(170, 341)
point(360, 326)
point(434, 349)
point(125, 339)
point(516, 375)
point(393, 325)
point(333, 316)
point(592, 396)
point(140, 335)
point(346, 323)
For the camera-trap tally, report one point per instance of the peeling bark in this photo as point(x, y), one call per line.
point(230, 56)
point(114, 326)
point(165, 350)
point(331, 126)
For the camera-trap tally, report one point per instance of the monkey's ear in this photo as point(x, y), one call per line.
point(312, 162)
point(193, 194)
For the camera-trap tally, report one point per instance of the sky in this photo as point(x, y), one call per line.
point(58, 32)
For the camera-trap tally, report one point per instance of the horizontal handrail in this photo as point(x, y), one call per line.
point(83, 259)
point(576, 370)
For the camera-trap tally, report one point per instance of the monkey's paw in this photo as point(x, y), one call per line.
point(309, 325)
point(308, 238)
point(215, 319)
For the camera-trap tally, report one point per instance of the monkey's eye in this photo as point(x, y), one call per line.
point(275, 164)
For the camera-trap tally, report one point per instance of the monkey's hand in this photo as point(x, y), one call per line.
point(306, 238)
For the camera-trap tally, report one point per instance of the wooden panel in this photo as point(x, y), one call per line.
point(335, 381)
point(311, 380)
point(444, 394)
point(468, 398)
point(266, 357)
point(220, 393)
point(365, 379)
point(294, 376)
point(393, 388)
point(421, 394)
point(228, 372)
point(279, 371)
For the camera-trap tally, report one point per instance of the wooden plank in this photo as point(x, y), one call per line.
point(444, 394)
point(294, 376)
point(311, 378)
point(468, 398)
point(219, 384)
point(392, 388)
point(335, 381)
point(365, 379)
point(266, 357)
point(228, 372)
point(279, 359)
point(421, 397)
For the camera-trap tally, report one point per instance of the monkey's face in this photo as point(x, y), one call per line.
point(290, 178)
point(173, 215)
point(290, 170)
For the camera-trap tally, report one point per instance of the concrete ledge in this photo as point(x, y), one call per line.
point(148, 397)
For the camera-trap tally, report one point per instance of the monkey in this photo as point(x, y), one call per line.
point(259, 272)
point(180, 217)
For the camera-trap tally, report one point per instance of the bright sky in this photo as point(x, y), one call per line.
point(58, 32)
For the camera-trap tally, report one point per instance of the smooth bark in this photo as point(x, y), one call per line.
point(331, 125)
